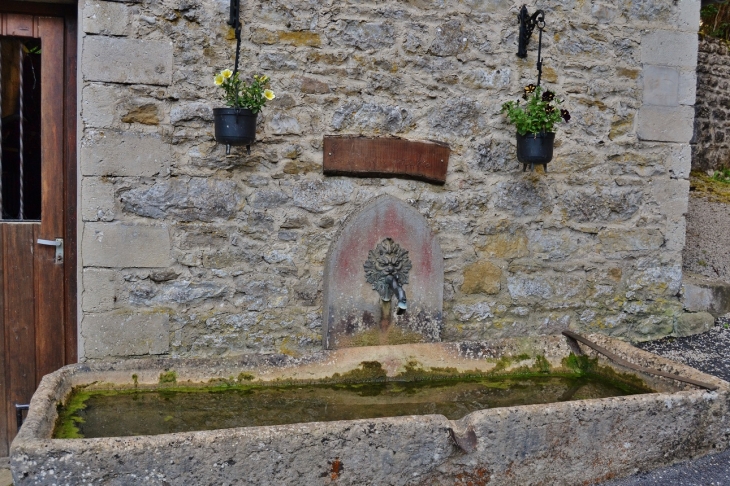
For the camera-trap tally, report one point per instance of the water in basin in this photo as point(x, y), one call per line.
point(114, 413)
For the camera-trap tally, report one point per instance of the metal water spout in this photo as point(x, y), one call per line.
point(386, 269)
point(400, 294)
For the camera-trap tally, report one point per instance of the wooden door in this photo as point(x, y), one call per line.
point(37, 205)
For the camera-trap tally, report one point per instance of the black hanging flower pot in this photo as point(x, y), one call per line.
point(234, 126)
point(535, 148)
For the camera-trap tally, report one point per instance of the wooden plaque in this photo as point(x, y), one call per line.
point(385, 157)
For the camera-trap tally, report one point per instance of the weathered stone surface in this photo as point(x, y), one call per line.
point(371, 116)
point(186, 199)
point(665, 124)
point(107, 18)
point(266, 199)
point(135, 61)
point(482, 278)
point(368, 35)
point(702, 294)
point(687, 89)
point(351, 306)
point(191, 111)
point(557, 287)
point(688, 15)
point(97, 105)
point(523, 197)
point(459, 117)
point(322, 196)
point(111, 335)
point(97, 200)
point(506, 245)
point(691, 324)
point(496, 156)
point(601, 204)
point(112, 153)
point(711, 139)
point(182, 292)
point(118, 245)
point(146, 114)
point(282, 124)
point(313, 86)
point(661, 85)
point(99, 293)
point(615, 240)
point(450, 39)
point(667, 48)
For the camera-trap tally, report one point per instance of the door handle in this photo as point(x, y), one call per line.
point(58, 243)
point(19, 414)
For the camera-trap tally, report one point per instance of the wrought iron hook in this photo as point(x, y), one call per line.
point(527, 25)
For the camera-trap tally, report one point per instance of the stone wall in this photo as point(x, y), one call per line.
point(711, 140)
point(187, 251)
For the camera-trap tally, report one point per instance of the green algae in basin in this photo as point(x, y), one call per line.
point(107, 413)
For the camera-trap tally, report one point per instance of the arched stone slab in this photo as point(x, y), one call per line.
point(352, 309)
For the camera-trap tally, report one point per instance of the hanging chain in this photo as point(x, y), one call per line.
point(540, 26)
point(238, 47)
point(21, 148)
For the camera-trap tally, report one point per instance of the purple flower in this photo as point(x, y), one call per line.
point(548, 96)
point(565, 114)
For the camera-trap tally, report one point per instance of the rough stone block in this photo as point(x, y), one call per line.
point(666, 124)
point(107, 18)
point(674, 234)
point(98, 103)
point(97, 200)
point(135, 61)
point(705, 295)
point(111, 335)
point(620, 240)
point(680, 161)
point(687, 90)
point(689, 324)
point(482, 278)
point(99, 290)
point(111, 153)
point(506, 245)
point(688, 15)
point(118, 245)
point(671, 196)
point(661, 86)
point(667, 48)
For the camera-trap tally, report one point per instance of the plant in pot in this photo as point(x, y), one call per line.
point(535, 122)
point(236, 125)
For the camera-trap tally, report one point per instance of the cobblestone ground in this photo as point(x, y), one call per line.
point(707, 352)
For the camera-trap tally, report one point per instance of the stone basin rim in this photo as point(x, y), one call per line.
point(672, 403)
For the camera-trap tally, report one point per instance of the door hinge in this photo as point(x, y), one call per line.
point(58, 243)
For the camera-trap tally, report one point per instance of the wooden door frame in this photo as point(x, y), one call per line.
point(69, 14)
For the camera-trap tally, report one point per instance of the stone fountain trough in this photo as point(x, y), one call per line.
point(575, 442)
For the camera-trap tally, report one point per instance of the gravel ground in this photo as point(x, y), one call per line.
point(707, 352)
point(706, 249)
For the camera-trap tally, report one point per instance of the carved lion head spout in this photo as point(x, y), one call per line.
point(387, 263)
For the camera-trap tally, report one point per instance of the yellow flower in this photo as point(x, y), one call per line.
point(263, 79)
point(227, 73)
point(218, 79)
point(269, 95)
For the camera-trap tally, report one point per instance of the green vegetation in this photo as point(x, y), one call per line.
point(168, 377)
point(711, 187)
point(715, 20)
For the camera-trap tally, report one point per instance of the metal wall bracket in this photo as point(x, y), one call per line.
point(58, 243)
point(19, 409)
point(527, 25)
